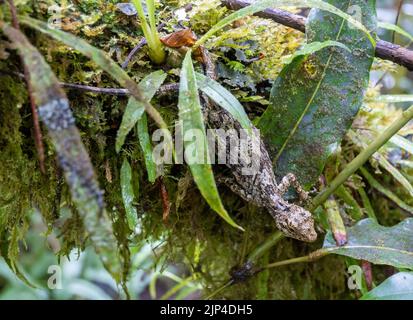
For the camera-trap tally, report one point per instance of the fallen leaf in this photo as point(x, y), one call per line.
point(182, 38)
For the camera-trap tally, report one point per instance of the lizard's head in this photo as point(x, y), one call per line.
point(296, 222)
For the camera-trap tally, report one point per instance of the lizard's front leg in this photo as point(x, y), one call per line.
point(290, 180)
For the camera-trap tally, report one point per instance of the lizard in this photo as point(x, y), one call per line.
point(260, 188)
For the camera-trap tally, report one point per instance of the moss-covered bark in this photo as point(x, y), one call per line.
point(194, 235)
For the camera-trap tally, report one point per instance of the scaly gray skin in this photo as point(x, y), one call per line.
point(260, 188)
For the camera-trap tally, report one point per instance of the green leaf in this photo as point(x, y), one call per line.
point(402, 143)
point(102, 60)
point(372, 242)
point(224, 98)
point(128, 195)
point(156, 50)
point(264, 4)
point(190, 115)
point(397, 287)
point(4, 253)
point(383, 162)
point(55, 113)
point(397, 29)
point(145, 142)
point(134, 110)
point(313, 47)
point(315, 99)
point(352, 206)
point(388, 193)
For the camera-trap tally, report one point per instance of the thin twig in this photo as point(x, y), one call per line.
point(223, 287)
point(384, 50)
point(399, 9)
point(167, 89)
point(140, 45)
point(110, 91)
point(38, 137)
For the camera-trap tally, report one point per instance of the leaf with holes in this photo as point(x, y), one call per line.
point(315, 98)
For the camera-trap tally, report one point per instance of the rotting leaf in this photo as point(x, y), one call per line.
point(315, 99)
point(190, 115)
point(55, 113)
point(182, 38)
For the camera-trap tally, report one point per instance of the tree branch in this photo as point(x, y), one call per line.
point(384, 50)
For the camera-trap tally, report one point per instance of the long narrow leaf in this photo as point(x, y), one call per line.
point(312, 47)
point(388, 193)
point(55, 113)
point(102, 60)
point(128, 195)
point(393, 98)
point(134, 110)
point(145, 142)
point(383, 162)
point(402, 143)
point(190, 114)
point(224, 98)
point(397, 29)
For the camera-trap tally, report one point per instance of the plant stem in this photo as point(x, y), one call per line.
point(224, 286)
point(310, 258)
point(265, 246)
point(156, 50)
point(367, 204)
point(357, 162)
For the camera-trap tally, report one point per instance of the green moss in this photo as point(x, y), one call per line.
point(194, 236)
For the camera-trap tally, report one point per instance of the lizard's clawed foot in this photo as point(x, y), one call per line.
point(290, 180)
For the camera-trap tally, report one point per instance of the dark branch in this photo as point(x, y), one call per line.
point(166, 89)
point(384, 50)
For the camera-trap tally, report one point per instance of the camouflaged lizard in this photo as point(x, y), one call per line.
point(260, 188)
